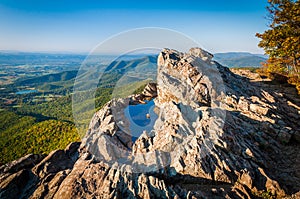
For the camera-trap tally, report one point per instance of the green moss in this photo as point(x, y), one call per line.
point(265, 195)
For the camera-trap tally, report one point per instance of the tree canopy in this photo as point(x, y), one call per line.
point(282, 40)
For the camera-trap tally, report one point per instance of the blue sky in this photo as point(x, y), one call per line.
point(78, 26)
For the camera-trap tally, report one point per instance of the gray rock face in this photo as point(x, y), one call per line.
point(217, 135)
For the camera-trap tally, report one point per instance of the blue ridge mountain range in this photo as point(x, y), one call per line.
point(59, 71)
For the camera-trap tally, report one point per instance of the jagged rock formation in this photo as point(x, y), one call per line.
point(217, 135)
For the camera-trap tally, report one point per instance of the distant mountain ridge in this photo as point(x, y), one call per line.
point(21, 58)
point(218, 134)
point(230, 59)
point(240, 59)
point(146, 66)
point(62, 76)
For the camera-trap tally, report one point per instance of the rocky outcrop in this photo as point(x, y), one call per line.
point(37, 176)
point(218, 134)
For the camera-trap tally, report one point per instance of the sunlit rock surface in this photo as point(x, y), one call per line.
point(217, 135)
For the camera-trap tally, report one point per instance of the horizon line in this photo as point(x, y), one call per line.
point(107, 53)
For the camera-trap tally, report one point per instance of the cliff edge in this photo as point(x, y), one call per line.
point(209, 133)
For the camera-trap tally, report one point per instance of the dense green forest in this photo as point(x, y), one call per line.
point(45, 126)
point(40, 128)
point(59, 109)
point(26, 136)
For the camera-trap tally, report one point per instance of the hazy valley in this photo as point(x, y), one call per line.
point(242, 143)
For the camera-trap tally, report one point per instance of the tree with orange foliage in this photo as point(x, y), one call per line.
point(282, 40)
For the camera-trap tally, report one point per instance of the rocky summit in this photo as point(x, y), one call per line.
point(209, 133)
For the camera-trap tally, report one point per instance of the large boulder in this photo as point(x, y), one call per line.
point(217, 135)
